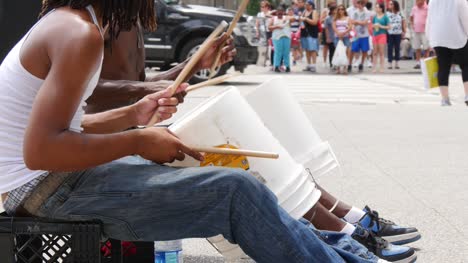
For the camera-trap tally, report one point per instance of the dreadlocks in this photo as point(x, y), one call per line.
point(118, 14)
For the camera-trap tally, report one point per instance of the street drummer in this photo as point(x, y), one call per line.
point(60, 163)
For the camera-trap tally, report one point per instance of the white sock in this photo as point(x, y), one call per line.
point(348, 229)
point(354, 215)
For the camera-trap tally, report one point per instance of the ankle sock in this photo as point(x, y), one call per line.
point(348, 229)
point(354, 215)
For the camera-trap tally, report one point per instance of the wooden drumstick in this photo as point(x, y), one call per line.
point(231, 28)
point(211, 82)
point(249, 153)
point(192, 62)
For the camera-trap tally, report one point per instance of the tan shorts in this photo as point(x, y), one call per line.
point(420, 39)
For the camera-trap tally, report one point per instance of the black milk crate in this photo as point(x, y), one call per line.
point(32, 240)
point(115, 251)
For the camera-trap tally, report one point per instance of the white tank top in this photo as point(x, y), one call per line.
point(18, 90)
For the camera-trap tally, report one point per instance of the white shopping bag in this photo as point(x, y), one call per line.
point(340, 58)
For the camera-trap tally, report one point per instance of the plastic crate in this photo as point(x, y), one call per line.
point(34, 240)
point(115, 251)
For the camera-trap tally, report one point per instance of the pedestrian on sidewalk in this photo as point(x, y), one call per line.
point(309, 35)
point(396, 32)
point(323, 17)
point(447, 29)
point(381, 24)
point(330, 33)
point(342, 26)
point(281, 35)
point(360, 18)
point(418, 20)
point(263, 20)
point(295, 35)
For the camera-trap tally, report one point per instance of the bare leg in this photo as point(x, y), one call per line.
point(314, 57)
point(466, 88)
point(363, 59)
point(325, 53)
point(418, 55)
point(444, 92)
point(328, 201)
point(309, 57)
point(374, 58)
point(322, 219)
point(382, 57)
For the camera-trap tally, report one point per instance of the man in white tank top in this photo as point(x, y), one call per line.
point(70, 165)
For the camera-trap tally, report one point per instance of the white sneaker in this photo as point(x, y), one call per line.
point(445, 102)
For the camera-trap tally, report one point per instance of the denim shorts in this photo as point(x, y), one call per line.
point(346, 41)
point(310, 44)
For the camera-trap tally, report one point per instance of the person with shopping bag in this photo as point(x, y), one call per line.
point(341, 27)
point(450, 43)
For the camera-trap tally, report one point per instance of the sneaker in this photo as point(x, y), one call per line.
point(387, 229)
point(288, 69)
point(350, 69)
point(306, 69)
point(313, 69)
point(417, 66)
point(382, 249)
point(361, 68)
point(466, 100)
point(277, 69)
point(445, 102)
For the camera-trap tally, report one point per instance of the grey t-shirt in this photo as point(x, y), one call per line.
point(329, 27)
point(360, 15)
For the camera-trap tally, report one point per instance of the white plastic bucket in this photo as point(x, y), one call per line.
point(284, 117)
point(228, 118)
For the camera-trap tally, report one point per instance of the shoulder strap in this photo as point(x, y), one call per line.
point(95, 20)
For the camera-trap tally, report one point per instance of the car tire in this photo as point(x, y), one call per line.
point(189, 49)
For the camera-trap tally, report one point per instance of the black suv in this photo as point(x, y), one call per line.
point(181, 30)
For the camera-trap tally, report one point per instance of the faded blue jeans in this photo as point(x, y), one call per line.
point(149, 202)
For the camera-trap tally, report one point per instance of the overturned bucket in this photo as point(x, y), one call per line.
point(228, 120)
point(284, 117)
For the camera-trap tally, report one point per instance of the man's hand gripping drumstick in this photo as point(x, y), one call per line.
point(240, 12)
point(190, 66)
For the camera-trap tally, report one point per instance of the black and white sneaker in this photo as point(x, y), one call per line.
point(382, 249)
point(387, 229)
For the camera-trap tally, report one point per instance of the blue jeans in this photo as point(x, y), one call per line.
point(282, 49)
point(394, 42)
point(137, 202)
point(348, 248)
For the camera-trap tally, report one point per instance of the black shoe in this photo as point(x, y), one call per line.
point(388, 230)
point(350, 68)
point(288, 69)
point(277, 69)
point(361, 68)
point(382, 249)
point(417, 66)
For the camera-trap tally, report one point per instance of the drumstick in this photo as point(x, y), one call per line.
point(192, 62)
point(258, 154)
point(211, 82)
point(233, 25)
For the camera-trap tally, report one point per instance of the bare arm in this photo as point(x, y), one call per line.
point(49, 144)
point(314, 20)
point(463, 14)
point(228, 53)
